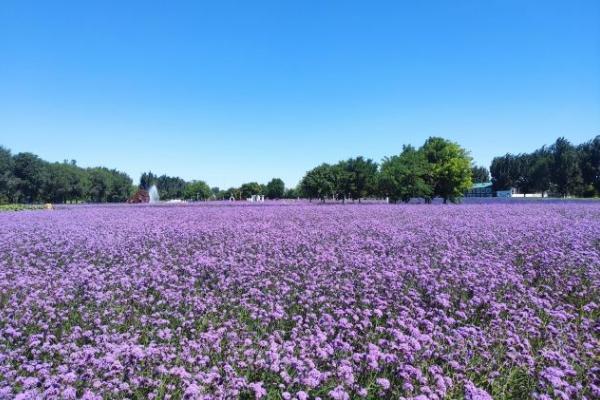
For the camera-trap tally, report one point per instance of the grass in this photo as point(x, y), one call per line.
point(20, 207)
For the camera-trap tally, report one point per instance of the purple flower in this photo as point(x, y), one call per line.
point(474, 393)
point(384, 383)
point(339, 394)
point(258, 389)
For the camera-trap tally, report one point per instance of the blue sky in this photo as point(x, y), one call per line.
point(231, 92)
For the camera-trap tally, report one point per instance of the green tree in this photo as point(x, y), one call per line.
point(541, 170)
point(251, 188)
point(504, 171)
point(232, 193)
point(589, 164)
point(342, 183)
point(275, 189)
point(170, 187)
point(147, 179)
point(197, 190)
point(57, 189)
point(99, 185)
point(405, 176)
point(31, 175)
point(291, 193)
point(119, 189)
point(6, 176)
point(319, 182)
point(565, 172)
point(522, 173)
point(362, 175)
point(449, 166)
point(480, 174)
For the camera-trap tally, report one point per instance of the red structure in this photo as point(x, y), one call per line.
point(141, 196)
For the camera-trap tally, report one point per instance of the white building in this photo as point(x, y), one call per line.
point(256, 198)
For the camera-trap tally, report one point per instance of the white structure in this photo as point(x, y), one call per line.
point(513, 192)
point(256, 198)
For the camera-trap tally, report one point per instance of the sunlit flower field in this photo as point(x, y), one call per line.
point(301, 301)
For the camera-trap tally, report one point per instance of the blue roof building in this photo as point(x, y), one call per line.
point(480, 190)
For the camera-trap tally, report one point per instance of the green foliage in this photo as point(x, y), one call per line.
point(480, 174)
point(6, 176)
point(589, 162)
point(354, 178)
point(363, 175)
point(147, 179)
point(449, 168)
point(197, 190)
point(440, 168)
point(20, 207)
point(562, 169)
point(232, 193)
point(405, 176)
point(170, 187)
point(292, 193)
point(503, 170)
point(275, 189)
point(565, 173)
point(25, 178)
point(31, 176)
point(108, 185)
point(251, 188)
point(318, 183)
point(541, 163)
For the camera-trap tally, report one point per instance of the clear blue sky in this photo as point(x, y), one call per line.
point(231, 92)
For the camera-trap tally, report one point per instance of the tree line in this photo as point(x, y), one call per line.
point(561, 169)
point(177, 188)
point(439, 168)
point(26, 178)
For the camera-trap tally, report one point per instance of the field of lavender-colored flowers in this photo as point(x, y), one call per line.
point(301, 301)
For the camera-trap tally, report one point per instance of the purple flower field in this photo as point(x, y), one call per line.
point(281, 301)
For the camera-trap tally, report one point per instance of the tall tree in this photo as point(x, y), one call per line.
point(119, 189)
point(541, 170)
point(450, 167)
point(480, 174)
point(504, 171)
point(147, 180)
point(342, 181)
point(170, 187)
point(99, 185)
point(522, 173)
point(589, 164)
point(232, 193)
point(291, 193)
point(405, 176)
point(275, 189)
point(197, 190)
point(31, 177)
point(318, 183)
point(6, 175)
point(565, 172)
point(251, 188)
point(57, 189)
point(362, 173)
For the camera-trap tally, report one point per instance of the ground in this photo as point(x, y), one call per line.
point(298, 300)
